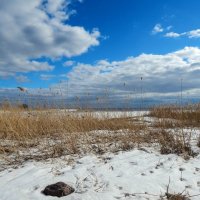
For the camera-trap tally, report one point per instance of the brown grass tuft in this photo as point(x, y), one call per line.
point(176, 197)
point(173, 116)
point(174, 143)
point(54, 133)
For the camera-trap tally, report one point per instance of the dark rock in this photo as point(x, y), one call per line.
point(59, 189)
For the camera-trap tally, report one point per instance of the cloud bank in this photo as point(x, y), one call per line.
point(161, 75)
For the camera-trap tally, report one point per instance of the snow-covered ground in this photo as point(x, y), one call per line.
point(137, 174)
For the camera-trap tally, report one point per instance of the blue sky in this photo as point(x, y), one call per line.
point(86, 43)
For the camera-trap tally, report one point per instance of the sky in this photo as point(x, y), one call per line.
point(77, 48)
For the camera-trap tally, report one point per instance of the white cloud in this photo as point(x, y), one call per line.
point(172, 35)
point(194, 33)
point(57, 9)
point(190, 34)
point(32, 29)
point(69, 63)
point(157, 29)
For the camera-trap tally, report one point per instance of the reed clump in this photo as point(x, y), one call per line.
point(18, 124)
point(175, 116)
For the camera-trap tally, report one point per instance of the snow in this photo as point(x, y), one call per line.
point(116, 114)
point(99, 114)
point(111, 176)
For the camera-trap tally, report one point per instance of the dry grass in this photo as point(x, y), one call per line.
point(21, 125)
point(42, 134)
point(171, 119)
point(176, 197)
point(173, 116)
point(48, 134)
point(179, 143)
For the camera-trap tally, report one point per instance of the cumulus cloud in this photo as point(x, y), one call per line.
point(194, 33)
point(161, 75)
point(157, 29)
point(172, 35)
point(38, 28)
